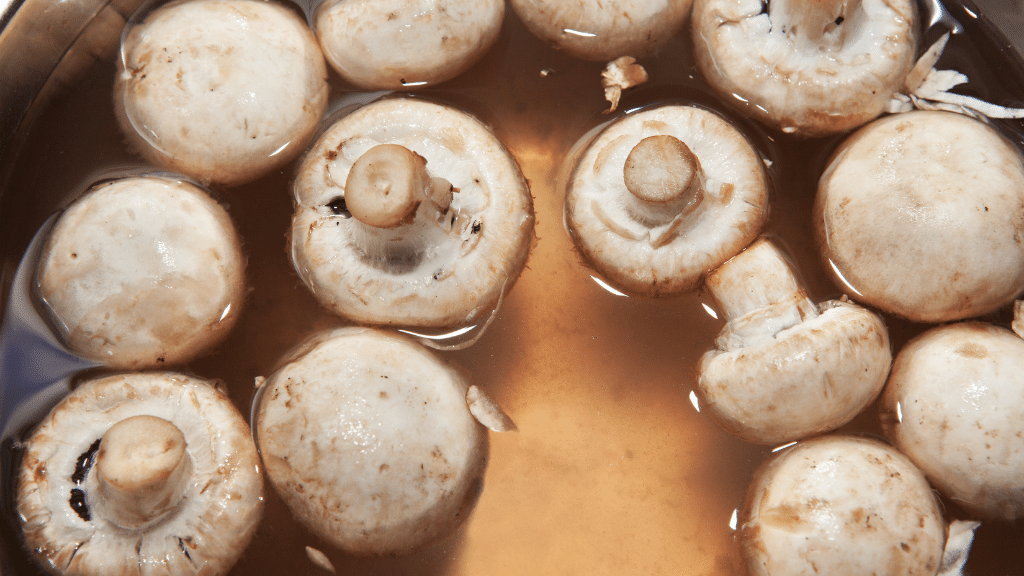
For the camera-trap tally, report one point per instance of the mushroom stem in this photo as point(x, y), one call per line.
point(664, 176)
point(387, 184)
point(142, 470)
point(811, 21)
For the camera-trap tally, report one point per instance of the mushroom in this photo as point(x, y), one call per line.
point(808, 68)
point(660, 197)
point(783, 368)
point(410, 213)
point(370, 440)
point(843, 506)
point(922, 214)
point(954, 404)
point(600, 31)
point(142, 272)
point(224, 91)
point(147, 472)
point(395, 44)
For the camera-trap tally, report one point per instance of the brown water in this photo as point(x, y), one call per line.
point(613, 470)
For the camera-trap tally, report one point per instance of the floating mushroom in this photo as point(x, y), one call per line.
point(140, 473)
point(784, 368)
point(922, 215)
point(809, 68)
point(373, 442)
point(660, 197)
point(222, 90)
point(406, 43)
point(142, 272)
point(410, 213)
point(600, 31)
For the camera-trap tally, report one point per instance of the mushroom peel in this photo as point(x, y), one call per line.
point(142, 272)
point(450, 249)
point(783, 368)
point(602, 30)
point(922, 214)
point(224, 91)
point(842, 506)
point(662, 196)
point(371, 441)
point(396, 44)
point(807, 68)
point(140, 473)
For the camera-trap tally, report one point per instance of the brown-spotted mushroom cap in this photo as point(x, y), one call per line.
point(954, 404)
point(784, 368)
point(221, 90)
point(406, 43)
point(810, 68)
point(410, 213)
point(142, 272)
point(842, 506)
point(373, 442)
point(602, 30)
point(922, 215)
point(662, 196)
point(140, 474)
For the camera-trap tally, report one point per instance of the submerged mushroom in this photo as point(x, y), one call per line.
point(599, 30)
point(410, 213)
point(142, 272)
point(660, 197)
point(784, 368)
point(140, 472)
point(406, 43)
point(809, 68)
point(373, 442)
point(222, 90)
point(922, 215)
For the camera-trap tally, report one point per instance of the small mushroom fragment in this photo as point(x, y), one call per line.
point(921, 215)
point(395, 44)
point(142, 272)
point(618, 75)
point(660, 197)
point(602, 30)
point(808, 68)
point(783, 368)
point(224, 91)
point(842, 506)
point(140, 472)
point(369, 439)
point(954, 404)
point(410, 213)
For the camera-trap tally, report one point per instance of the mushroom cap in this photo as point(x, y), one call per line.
point(810, 90)
point(217, 516)
point(620, 246)
point(393, 44)
point(954, 404)
point(602, 30)
point(142, 272)
point(452, 280)
point(808, 379)
point(369, 440)
point(222, 90)
point(922, 215)
point(843, 506)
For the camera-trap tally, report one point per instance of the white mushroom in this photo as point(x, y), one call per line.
point(222, 90)
point(441, 256)
point(810, 68)
point(660, 197)
point(842, 506)
point(922, 215)
point(368, 438)
point(602, 30)
point(140, 473)
point(406, 43)
point(783, 368)
point(142, 272)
